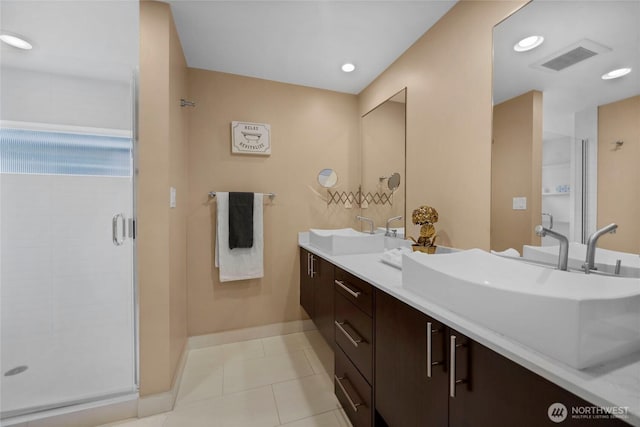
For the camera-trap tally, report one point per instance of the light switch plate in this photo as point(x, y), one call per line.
point(519, 203)
point(172, 197)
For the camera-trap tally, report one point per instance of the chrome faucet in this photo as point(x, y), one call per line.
point(563, 255)
point(589, 263)
point(389, 233)
point(367, 220)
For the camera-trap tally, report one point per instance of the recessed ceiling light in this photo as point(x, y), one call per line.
point(348, 67)
point(15, 41)
point(616, 73)
point(528, 43)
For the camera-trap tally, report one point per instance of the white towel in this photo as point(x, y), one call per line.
point(393, 257)
point(238, 263)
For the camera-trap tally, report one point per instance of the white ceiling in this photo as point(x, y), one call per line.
point(87, 38)
point(615, 24)
point(303, 42)
point(299, 42)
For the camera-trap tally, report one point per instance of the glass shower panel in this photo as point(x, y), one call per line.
point(66, 288)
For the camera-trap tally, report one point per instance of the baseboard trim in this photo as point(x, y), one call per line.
point(164, 402)
point(256, 332)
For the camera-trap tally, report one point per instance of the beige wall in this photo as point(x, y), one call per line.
point(311, 129)
point(619, 173)
point(383, 153)
point(447, 73)
point(161, 240)
point(448, 76)
point(516, 171)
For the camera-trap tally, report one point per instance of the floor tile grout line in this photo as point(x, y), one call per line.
point(311, 416)
point(275, 402)
point(270, 384)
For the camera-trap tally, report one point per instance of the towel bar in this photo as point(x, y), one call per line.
point(212, 194)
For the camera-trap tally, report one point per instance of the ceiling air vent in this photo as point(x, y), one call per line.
point(568, 59)
point(571, 55)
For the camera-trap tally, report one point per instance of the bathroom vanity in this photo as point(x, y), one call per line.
point(401, 360)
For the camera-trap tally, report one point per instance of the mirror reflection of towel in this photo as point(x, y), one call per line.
point(240, 220)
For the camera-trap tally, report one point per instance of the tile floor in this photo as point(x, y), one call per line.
point(284, 380)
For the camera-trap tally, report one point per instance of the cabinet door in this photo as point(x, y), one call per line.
point(323, 298)
point(405, 395)
point(306, 284)
point(491, 390)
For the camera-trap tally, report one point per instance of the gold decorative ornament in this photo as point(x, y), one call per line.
point(425, 216)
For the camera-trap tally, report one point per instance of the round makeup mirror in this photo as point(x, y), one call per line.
point(394, 181)
point(327, 178)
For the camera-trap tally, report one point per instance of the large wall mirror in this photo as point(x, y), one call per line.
point(383, 162)
point(566, 141)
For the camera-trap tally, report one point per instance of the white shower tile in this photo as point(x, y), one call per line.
point(254, 408)
point(29, 229)
point(32, 263)
point(252, 373)
point(86, 289)
point(305, 397)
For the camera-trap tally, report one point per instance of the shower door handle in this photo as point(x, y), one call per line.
point(118, 237)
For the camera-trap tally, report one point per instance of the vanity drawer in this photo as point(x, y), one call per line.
point(355, 290)
point(353, 391)
point(354, 335)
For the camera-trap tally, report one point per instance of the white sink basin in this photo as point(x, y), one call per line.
point(605, 259)
point(346, 241)
point(579, 319)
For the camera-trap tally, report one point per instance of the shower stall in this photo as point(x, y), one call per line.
point(68, 309)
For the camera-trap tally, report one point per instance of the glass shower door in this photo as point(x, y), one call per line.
point(67, 294)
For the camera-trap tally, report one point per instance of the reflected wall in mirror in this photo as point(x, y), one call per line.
point(556, 124)
point(383, 155)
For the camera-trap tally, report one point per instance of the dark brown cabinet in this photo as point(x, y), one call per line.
point(407, 392)
point(396, 366)
point(353, 391)
point(306, 282)
point(469, 385)
point(492, 390)
point(316, 292)
point(354, 335)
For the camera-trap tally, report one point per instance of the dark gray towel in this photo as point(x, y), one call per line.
point(240, 220)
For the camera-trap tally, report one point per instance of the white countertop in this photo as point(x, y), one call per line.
point(613, 384)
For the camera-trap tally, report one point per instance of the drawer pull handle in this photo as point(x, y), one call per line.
point(313, 266)
point(453, 382)
point(344, 390)
point(340, 283)
point(430, 362)
point(355, 342)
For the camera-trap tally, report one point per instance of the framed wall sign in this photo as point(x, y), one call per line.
point(250, 138)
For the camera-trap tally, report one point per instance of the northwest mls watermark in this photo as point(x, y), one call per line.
point(558, 412)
